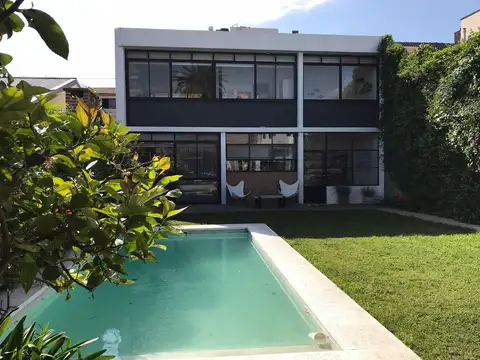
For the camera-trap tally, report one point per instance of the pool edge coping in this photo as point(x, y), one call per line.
point(359, 335)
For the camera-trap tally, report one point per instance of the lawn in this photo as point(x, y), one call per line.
point(420, 280)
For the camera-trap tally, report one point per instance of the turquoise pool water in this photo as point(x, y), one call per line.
point(208, 291)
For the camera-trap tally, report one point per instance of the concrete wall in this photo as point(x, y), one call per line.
point(59, 100)
point(469, 24)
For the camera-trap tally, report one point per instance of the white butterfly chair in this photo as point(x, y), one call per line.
point(288, 190)
point(238, 191)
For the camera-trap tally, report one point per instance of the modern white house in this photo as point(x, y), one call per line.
point(255, 105)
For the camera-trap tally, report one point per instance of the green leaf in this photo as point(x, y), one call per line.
point(30, 90)
point(64, 188)
point(64, 160)
point(28, 247)
point(97, 356)
point(160, 246)
point(79, 201)
point(17, 22)
point(142, 245)
point(100, 237)
point(10, 96)
point(46, 223)
point(170, 179)
point(175, 193)
point(28, 272)
point(51, 273)
point(4, 325)
point(5, 59)
point(49, 31)
point(175, 212)
point(95, 279)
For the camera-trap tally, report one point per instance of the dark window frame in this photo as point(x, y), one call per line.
point(249, 160)
point(351, 151)
point(213, 63)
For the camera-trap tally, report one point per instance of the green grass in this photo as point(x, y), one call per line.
point(420, 280)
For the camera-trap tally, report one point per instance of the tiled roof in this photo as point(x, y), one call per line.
point(105, 90)
point(51, 83)
point(435, 45)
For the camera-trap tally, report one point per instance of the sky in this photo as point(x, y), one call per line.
point(89, 26)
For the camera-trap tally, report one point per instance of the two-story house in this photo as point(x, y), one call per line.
point(254, 105)
point(468, 24)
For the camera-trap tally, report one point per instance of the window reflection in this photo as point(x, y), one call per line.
point(138, 78)
point(192, 80)
point(321, 82)
point(235, 81)
point(359, 82)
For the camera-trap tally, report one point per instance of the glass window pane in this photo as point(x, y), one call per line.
point(283, 138)
point(244, 57)
point(330, 59)
point(286, 58)
point(265, 81)
point(339, 171)
point(260, 138)
point(312, 59)
point(202, 56)
point(237, 165)
point(162, 137)
point(206, 137)
point(285, 82)
point(224, 57)
point(145, 137)
point(284, 152)
point(159, 79)
point(237, 138)
point(198, 191)
point(339, 141)
point(185, 137)
point(238, 152)
point(314, 141)
point(359, 82)
point(186, 160)
point(321, 82)
point(368, 60)
point(159, 55)
point(235, 81)
point(265, 58)
point(137, 55)
point(181, 56)
point(260, 165)
point(365, 164)
point(260, 152)
point(207, 160)
point(349, 60)
point(138, 79)
point(366, 142)
point(192, 81)
point(164, 150)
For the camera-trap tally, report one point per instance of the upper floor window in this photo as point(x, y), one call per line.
point(359, 82)
point(353, 78)
point(210, 76)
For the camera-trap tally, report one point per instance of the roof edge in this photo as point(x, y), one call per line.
point(473, 13)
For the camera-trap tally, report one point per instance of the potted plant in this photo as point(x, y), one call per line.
point(343, 194)
point(368, 194)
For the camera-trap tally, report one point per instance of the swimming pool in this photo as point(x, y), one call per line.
point(211, 290)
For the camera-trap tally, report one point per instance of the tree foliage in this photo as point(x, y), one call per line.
point(431, 125)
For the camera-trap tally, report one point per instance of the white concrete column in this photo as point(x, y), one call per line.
point(120, 86)
point(300, 90)
point(223, 167)
point(300, 148)
point(300, 125)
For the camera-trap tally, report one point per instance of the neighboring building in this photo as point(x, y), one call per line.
point(57, 86)
point(254, 105)
point(468, 25)
point(412, 46)
point(107, 95)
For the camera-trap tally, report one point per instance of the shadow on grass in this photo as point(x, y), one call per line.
point(329, 224)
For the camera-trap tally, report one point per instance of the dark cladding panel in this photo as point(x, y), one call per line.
point(345, 113)
point(208, 113)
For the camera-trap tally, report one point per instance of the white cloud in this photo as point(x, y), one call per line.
point(89, 26)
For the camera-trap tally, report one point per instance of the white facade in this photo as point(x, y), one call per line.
point(247, 41)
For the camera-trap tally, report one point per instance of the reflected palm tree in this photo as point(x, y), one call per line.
point(197, 81)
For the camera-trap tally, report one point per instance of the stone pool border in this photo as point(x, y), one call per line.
point(358, 334)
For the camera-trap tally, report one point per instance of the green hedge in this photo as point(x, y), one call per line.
point(430, 107)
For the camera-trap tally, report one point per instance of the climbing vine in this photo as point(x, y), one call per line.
point(430, 121)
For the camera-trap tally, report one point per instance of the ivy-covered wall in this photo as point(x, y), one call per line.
point(431, 126)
